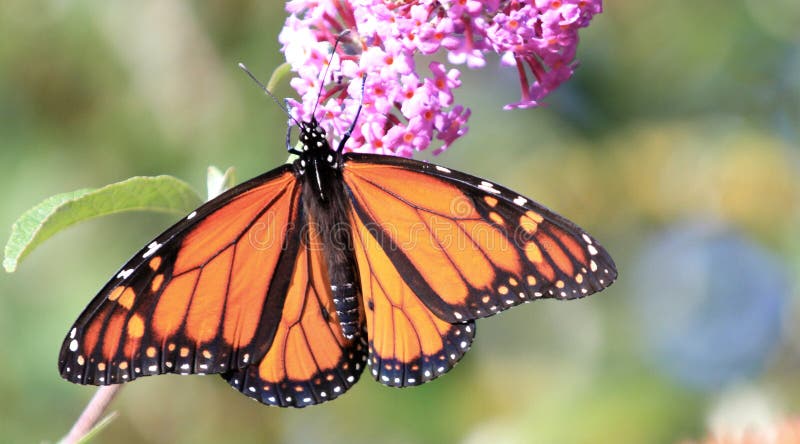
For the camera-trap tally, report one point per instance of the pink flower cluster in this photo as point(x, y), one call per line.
point(406, 109)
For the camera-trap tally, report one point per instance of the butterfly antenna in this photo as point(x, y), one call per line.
point(274, 99)
point(325, 74)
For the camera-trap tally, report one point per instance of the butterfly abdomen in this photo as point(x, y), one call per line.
point(345, 298)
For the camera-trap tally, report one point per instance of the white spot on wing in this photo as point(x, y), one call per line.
point(125, 273)
point(443, 169)
point(152, 248)
point(520, 201)
point(592, 249)
point(73, 345)
point(488, 187)
point(587, 238)
point(72, 333)
point(191, 215)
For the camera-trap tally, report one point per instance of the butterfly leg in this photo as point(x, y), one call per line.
point(289, 147)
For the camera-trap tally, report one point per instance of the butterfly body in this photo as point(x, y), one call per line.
point(292, 283)
point(325, 200)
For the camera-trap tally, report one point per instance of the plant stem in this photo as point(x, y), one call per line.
point(91, 414)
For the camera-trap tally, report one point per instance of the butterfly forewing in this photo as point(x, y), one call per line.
point(469, 248)
point(204, 297)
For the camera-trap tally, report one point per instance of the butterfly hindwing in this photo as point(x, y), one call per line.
point(468, 248)
point(409, 345)
point(201, 298)
point(310, 360)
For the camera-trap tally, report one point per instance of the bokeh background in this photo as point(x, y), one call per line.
point(677, 144)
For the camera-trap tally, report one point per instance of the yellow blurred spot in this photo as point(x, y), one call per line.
point(126, 300)
point(114, 295)
point(136, 326)
point(533, 253)
point(530, 221)
point(155, 263)
point(157, 281)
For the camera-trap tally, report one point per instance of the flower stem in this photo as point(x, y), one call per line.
point(91, 414)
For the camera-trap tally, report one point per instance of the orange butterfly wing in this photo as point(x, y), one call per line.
point(408, 344)
point(310, 360)
point(203, 297)
point(444, 248)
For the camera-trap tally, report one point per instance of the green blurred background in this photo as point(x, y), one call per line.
point(676, 144)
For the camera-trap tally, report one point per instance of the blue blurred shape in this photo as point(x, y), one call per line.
point(710, 302)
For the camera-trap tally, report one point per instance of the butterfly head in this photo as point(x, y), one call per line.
point(316, 159)
point(313, 137)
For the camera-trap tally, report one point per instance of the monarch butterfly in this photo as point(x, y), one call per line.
point(290, 284)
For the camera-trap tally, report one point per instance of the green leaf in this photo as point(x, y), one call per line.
point(277, 75)
point(164, 194)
